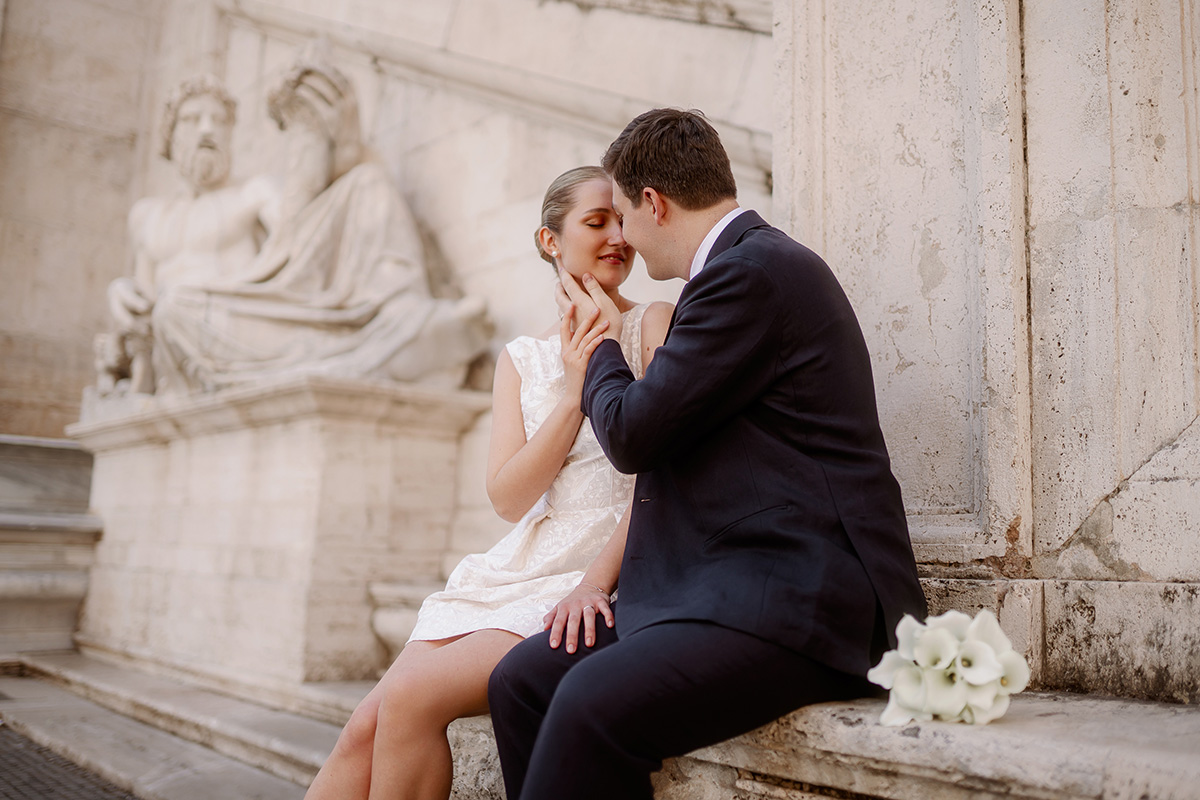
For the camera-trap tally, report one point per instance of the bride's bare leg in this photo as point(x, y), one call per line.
point(394, 745)
point(347, 771)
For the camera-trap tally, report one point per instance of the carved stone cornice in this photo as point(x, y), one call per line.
point(589, 108)
point(436, 413)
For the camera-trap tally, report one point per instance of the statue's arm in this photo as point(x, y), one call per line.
point(130, 298)
point(139, 224)
point(264, 196)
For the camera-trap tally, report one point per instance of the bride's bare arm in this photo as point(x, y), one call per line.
point(520, 471)
point(590, 599)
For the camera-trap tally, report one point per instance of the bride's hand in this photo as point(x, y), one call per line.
point(577, 348)
point(587, 295)
point(582, 605)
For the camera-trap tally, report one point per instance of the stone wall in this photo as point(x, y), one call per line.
point(74, 83)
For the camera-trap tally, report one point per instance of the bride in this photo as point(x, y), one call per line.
point(557, 568)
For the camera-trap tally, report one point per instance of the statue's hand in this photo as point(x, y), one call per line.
point(127, 303)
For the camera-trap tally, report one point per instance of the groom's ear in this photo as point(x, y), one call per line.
point(658, 204)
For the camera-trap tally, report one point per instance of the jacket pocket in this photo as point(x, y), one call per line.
point(744, 522)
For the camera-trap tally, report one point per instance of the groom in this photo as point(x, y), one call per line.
point(768, 558)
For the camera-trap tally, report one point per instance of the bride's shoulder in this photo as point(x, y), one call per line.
point(655, 321)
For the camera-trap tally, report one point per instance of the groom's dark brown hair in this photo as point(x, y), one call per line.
point(676, 153)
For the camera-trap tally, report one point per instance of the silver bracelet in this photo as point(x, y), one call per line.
point(597, 588)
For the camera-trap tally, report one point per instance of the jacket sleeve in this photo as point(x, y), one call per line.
point(721, 354)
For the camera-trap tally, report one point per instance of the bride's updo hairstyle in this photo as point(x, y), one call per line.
point(559, 199)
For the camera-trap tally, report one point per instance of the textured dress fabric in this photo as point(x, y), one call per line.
point(514, 584)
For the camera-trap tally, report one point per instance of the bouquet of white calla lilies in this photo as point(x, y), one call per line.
point(950, 667)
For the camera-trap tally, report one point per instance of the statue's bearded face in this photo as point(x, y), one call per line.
point(200, 143)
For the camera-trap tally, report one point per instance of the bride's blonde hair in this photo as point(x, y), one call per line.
point(560, 196)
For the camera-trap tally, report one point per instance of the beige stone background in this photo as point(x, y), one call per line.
point(1008, 190)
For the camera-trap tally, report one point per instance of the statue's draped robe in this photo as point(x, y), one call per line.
point(341, 289)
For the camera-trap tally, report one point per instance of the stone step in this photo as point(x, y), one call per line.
point(44, 562)
point(44, 475)
point(287, 745)
point(248, 736)
point(139, 758)
point(1049, 746)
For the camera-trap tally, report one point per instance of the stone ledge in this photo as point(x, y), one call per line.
point(69, 527)
point(36, 585)
point(1046, 746)
point(138, 420)
point(1049, 746)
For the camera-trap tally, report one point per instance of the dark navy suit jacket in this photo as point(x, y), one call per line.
point(765, 500)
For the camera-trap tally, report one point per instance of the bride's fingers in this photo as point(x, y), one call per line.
point(561, 299)
point(564, 324)
point(596, 293)
point(585, 327)
point(556, 628)
point(593, 338)
point(573, 622)
point(576, 293)
point(589, 625)
point(606, 611)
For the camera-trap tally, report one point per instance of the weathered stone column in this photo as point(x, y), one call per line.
point(1113, 187)
point(1008, 191)
point(241, 529)
point(898, 157)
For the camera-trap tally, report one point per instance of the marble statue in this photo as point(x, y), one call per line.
point(320, 271)
point(191, 237)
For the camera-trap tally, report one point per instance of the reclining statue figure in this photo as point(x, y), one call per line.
point(318, 272)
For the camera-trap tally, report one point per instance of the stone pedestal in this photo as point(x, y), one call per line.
point(241, 529)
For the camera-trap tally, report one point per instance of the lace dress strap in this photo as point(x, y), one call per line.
point(631, 339)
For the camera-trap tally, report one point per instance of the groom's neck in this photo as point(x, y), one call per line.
point(695, 225)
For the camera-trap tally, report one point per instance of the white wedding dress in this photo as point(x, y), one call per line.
point(513, 585)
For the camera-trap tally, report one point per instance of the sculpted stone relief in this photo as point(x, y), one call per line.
point(319, 271)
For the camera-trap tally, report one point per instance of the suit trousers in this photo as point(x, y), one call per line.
point(597, 723)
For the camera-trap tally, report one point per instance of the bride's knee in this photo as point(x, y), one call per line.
point(409, 705)
point(359, 733)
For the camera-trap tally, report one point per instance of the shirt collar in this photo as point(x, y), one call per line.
point(711, 239)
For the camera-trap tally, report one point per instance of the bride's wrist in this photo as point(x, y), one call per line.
point(597, 588)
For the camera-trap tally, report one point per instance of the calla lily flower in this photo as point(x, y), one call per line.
point(956, 622)
point(908, 630)
point(945, 694)
point(986, 628)
point(936, 649)
point(983, 695)
point(884, 673)
point(896, 714)
point(907, 699)
point(981, 715)
point(977, 663)
point(910, 688)
point(1015, 676)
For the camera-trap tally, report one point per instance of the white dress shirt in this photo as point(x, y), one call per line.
point(709, 240)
